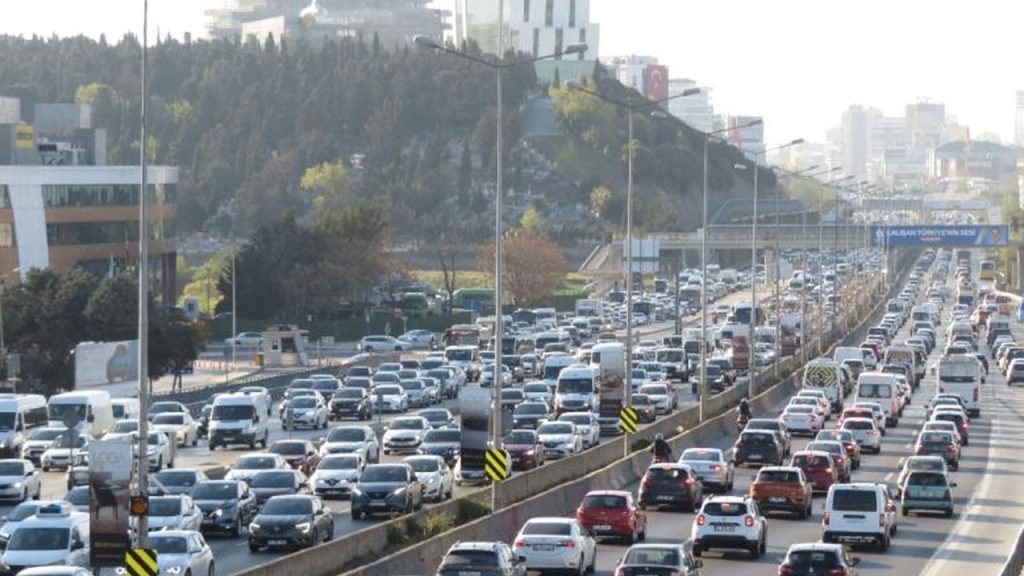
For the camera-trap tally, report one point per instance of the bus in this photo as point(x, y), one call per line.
point(988, 271)
point(416, 305)
point(476, 299)
point(960, 374)
point(741, 313)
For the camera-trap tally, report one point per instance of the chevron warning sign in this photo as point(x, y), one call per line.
point(141, 562)
point(628, 420)
point(496, 464)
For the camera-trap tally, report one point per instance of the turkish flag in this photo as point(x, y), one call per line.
point(656, 81)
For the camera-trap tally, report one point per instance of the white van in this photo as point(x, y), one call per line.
point(576, 389)
point(125, 408)
point(237, 419)
point(55, 535)
point(553, 366)
point(825, 375)
point(857, 513)
point(19, 414)
point(92, 408)
point(960, 374)
point(880, 387)
point(847, 353)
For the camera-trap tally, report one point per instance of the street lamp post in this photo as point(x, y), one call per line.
point(754, 315)
point(630, 108)
point(143, 359)
point(837, 290)
point(499, 276)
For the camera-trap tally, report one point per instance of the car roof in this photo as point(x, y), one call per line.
point(816, 547)
point(609, 493)
point(729, 499)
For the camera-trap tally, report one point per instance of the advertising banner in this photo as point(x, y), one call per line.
point(105, 363)
point(475, 407)
point(939, 235)
point(110, 473)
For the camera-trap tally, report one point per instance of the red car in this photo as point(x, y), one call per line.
point(855, 413)
point(525, 449)
point(612, 513)
point(300, 454)
point(875, 349)
point(818, 468)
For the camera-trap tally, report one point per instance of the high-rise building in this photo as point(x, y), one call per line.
point(749, 139)
point(630, 70)
point(925, 122)
point(856, 140)
point(695, 110)
point(1018, 127)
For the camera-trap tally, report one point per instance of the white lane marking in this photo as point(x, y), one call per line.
point(889, 476)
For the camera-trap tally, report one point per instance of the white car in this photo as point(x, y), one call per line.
point(729, 522)
point(802, 419)
point(876, 411)
point(711, 466)
point(177, 512)
point(437, 479)
point(246, 339)
point(159, 451)
point(19, 480)
point(424, 339)
point(390, 398)
point(307, 412)
point(352, 438)
point(822, 410)
point(556, 544)
point(165, 407)
point(249, 465)
point(336, 475)
point(538, 392)
point(405, 434)
point(826, 404)
point(58, 455)
point(19, 514)
point(661, 395)
point(865, 432)
point(587, 424)
point(560, 439)
point(182, 552)
point(370, 344)
point(38, 441)
point(180, 426)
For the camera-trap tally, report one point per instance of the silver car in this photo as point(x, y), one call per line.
point(865, 432)
point(711, 466)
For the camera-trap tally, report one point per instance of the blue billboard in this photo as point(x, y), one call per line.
point(939, 235)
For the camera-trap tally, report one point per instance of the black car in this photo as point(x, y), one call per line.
point(269, 483)
point(386, 488)
point(772, 424)
point(529, 415)
point(671, 484)
point(758, 447)
point(351, 403)
point(291, 521)
point(358, 371)
point(327, 387)
point(227, 505)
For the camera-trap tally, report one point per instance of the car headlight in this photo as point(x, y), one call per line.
point(530, 452)
point(398, 491)
point(254, 527)
point(175, 570)
point(304, 527)
point(18, 484)
point(218, 512)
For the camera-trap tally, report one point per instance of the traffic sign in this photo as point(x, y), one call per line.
point(141, 562)
point(496, 464)
point(628, 420)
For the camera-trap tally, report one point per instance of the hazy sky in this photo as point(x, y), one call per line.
point(797, 62)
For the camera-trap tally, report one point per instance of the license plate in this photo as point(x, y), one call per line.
point(277, 542)
point(544, 547)
point(469, 573)
point(776, 499)
point(665, 497)
point(379, 503)
point(603, 527)
point(755, 457)
point(725, 528)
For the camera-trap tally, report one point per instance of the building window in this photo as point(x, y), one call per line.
point(7, 239)
point(5, 197)
point(536, 42)
point(116, 232)
point(572, 13)
point(526, 10)
point(583, 40)
point(70, 195)
point(549, 13)
point(558, 42)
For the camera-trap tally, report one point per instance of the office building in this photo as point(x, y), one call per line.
point(925, 122)
point(1018, 125)
point(695, 110)
point(856, 140)
point(749, 139)
point(62, 207)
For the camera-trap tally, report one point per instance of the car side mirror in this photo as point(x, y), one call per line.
point(698, 563)
point(952, 484)
point(255, 418)
point(90, 418)
point(77, 545)
point(521, 559)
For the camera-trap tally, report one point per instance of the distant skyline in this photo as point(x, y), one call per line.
point(798, 63)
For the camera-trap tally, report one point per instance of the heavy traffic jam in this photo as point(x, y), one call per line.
point(336, 451)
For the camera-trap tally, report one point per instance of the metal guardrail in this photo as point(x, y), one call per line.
point(1015, 563)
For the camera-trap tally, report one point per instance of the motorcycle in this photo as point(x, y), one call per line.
point(741, 421)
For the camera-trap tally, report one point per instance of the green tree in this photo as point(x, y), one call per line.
point(112, 310)
point(530, 219)
point(174, 343)
point(329, 183)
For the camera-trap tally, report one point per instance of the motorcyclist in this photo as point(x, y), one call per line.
point(744, 409)
point(660, 448)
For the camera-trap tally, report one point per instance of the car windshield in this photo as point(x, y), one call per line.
point(169, 419)
point(12, 468)
point(867, 390)
point(410, 424)
point(350, 393)
point(346, 435)
point(575, 385)
point(443, 436)
point(810, 561)
point(854, 500)
point(233, 412)
point(59, 411)
point(325, 384)
point(540, 528)
point(826, 447)
point(536, 389)
point(555, 428)
point(484, 558)
point(412, 385)
point(724, 508)
point(256, 463)
point(654, 389)
point(936, 438)
point(930, 479)
point(435, 415)
point(304, 402)
point(648, 556)
point(700, 455)
point(778, 476)
point(288, 448)
point(388, 390)
point(579, 419)
point(520, 438)
point(339, 463)
point(925, 464)
point(811, 461)
point(287, 506)
point(22, 511)
point(424, 464)
point(215, 491)
point(126, 427)
point(61, 442)
point(164, 506)
point(275, 479)
point(185, 478)
point(384, 474)
point(39, 538)
point(169, 544)
point(858, 425)
point(666, 474)
point(604, 501)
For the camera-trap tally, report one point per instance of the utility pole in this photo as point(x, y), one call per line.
point(143, 362)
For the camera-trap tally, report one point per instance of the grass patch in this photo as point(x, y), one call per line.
point(436, 523)
point(469, 510)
